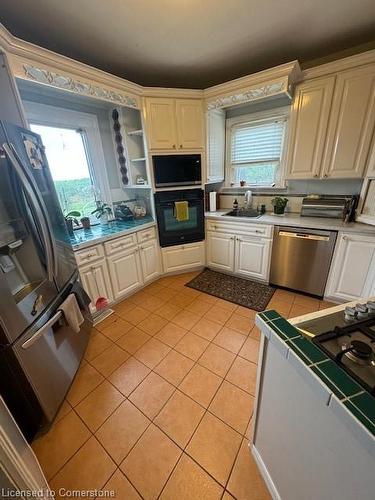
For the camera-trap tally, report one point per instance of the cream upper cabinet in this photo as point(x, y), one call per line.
point(174, 124)
point(161, 126)
point(308, 128)
point(351, 123)
point(215, 145)
point(189, 120)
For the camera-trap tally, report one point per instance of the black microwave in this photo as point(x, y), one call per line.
point(177, 170)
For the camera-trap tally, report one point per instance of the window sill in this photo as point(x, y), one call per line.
point(254, 188)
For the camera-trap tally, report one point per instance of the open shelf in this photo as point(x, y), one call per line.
point(138, 159)
point(138, 133)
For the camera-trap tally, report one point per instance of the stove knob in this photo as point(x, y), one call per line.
point(362, 311)
point(350, 314)
point(371, 306)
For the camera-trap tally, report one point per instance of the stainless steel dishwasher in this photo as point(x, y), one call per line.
point(301, 258)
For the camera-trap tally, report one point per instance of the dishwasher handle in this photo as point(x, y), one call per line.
point(303, 236)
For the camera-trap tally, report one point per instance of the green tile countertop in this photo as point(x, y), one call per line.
point(359, 402)
point(97, 234)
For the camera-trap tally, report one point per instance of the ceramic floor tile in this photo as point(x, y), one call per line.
point(214, 446)
point(185, 319)
point(306, 301)
point(152, 394)
point(285, 295)
point(166, 294)
point(243, 374)
point(65, 408)
point(201, 385)
point(218, 315)
point(181, 300)
point(324, 304)
point(171, 334)
point(89, 469)
point(133, 340)
point(121, 487)
point(232, 405)
point(217, 359)
point(179, 418)
point(174, 367)
point(240, 323)
point(109, 360)
point(298, 310)
point(97, 344)
point(153, 324)
point(255, 333)
point(198, 307)
point(139, 297)
point(122, 430)
point(206, 328)
point(246, 312)
point(116, 329)
point(168, 311)
point(229, 339)
point(106, 322)
point(150, 462)
point(85, 381)
point(189, 481)
point(98, 405)
point(152, 303)
point(152, 352)
point(210, 299)
point(136, 315)
point(123, 308)
point(129, 375)
point(281, 306)
point(245, 481)
point(192, 346)
point(250, 350)
point(225, 304)
point(59, 444)
point(228, 496)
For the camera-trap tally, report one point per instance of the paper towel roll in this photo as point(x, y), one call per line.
point(213, 201)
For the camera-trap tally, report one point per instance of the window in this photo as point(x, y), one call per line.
point(255, 149)
point(75, 155)
point(69, 164)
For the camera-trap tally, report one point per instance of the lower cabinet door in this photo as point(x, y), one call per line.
point(352, 274)
point(125, 272)
point(150, 260)
point(183, 257)
point(220, 251)
point(253, 257)
point(96, 282)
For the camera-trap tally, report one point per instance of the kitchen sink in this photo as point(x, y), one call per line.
point(244, 212)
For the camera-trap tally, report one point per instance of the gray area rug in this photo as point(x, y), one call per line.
point(241, 291)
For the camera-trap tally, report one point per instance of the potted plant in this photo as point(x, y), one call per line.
point(102, 212)
point(279, 203)
point(70, 219)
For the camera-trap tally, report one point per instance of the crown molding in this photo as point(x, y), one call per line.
point(349, 62)
point(172, 92)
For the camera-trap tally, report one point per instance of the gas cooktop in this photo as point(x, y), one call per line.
point(348, 338)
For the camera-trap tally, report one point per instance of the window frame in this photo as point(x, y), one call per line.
point(253, 118)
point(53, 116)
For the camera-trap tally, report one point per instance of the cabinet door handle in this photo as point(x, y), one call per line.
point(180, 146)
point(316, 175)
point(325, 175)
point(174, 146)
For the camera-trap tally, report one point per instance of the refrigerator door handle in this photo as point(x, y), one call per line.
point(43, 224)
point(42, 331)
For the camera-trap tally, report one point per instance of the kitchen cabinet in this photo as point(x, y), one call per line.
point(96, 282)
point(215, 145)
point(308, 128)
point(241, 249)
point(352, 274)
point(220, 251)
point(125, 272)
point(183, 257)
point(174, 124)
point(150, 260)
point(351, 124)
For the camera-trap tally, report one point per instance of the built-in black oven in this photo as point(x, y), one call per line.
point(173, 231)
point(177, 170)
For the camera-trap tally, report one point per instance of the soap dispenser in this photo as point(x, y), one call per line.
point(235, 204)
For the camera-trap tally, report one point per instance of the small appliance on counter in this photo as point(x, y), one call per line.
point(348, 338)
point(123, 212)
point(340, 207)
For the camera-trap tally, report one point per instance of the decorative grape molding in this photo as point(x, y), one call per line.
point(120, 150)
point(253, 94)
point(67, 83)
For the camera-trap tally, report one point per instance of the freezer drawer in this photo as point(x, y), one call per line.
point(301, 258)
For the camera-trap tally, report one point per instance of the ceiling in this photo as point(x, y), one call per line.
point(190, 43)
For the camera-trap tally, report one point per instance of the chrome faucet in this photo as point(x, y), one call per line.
point(248, 199)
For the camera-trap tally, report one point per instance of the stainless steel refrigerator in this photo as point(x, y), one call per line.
point(39, 352)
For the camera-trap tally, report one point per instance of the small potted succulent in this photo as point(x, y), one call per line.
point(70, 219)
point(102, 212)
point(279, 203)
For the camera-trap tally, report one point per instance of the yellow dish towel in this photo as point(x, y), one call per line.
point(181, 210)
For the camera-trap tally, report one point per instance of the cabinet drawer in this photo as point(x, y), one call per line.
point(261, 230)
point(146, 234)
point(120, 244)
point(89, 255)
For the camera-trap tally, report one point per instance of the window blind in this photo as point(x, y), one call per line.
point(257, 143)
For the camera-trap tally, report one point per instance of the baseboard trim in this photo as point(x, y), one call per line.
point(265, 474)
